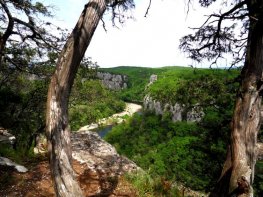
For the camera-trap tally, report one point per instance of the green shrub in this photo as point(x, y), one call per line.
point(149, 186)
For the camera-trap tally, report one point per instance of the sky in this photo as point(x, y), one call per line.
point(151, 41)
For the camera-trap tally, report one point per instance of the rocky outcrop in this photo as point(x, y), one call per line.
point(6, 137)
point(178, 111)
point(153, 78)
point(88, 148)
point(98, 155)
point(186, 191)
point(103, 164)
point(195, 114)
point(7, 162)
point(112, 81)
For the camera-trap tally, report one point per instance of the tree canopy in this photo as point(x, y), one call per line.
point(27, 38)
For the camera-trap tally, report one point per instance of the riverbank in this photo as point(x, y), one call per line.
point(117, 118)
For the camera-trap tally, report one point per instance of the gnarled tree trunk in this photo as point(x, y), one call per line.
point(58, 131)
point(238, 172)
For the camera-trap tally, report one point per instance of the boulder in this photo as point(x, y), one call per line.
point(6, 137)
point(7, 162)
point(98, 155)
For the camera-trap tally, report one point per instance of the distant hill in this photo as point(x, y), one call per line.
point(138, 78)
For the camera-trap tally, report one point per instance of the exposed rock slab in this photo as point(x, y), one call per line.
point(104, 166)
point(98, 155)
point(7, 162)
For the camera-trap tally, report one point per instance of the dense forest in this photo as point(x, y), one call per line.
point(198, 149)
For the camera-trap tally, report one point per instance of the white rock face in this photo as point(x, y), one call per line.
point(112, 81)
point(153, 78)
point(7, 162)
point(177, 111)
point(195, 114)
point(6, 137)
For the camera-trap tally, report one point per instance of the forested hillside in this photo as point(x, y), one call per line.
point(191, 153)
point(138, 80)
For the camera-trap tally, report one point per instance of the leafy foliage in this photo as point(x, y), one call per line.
point(91, 101)
point(190, 87)
point(138, 78)
point(27, 46)
point(258, 183)
point(23, 102)
point(177, 151)
point(191, 153)
point(22, 106)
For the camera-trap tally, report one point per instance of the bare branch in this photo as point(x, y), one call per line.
point(103, 24)
point(221, 18)
point(211, 40)
point(188, 7)
point(10, 26)
point(148, 8)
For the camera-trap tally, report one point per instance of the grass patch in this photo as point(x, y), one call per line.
point(148, 186)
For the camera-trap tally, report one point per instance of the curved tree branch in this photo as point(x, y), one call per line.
point(8, 32)
point(148, 8)
point(212, 40)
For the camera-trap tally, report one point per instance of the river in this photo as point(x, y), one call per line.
point(105, 125)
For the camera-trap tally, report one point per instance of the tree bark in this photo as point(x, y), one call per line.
point(238, 172)
point(57, 128)
point(259, 151)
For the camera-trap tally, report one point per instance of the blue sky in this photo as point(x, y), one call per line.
point(152, 41)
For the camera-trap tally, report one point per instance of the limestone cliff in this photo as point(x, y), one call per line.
point(112, 81)
point(178, 111)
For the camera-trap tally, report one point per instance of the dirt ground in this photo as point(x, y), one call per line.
point(37, 182)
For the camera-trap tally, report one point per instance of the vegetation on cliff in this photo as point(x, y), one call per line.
point(190, 153)
point(138, 78)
